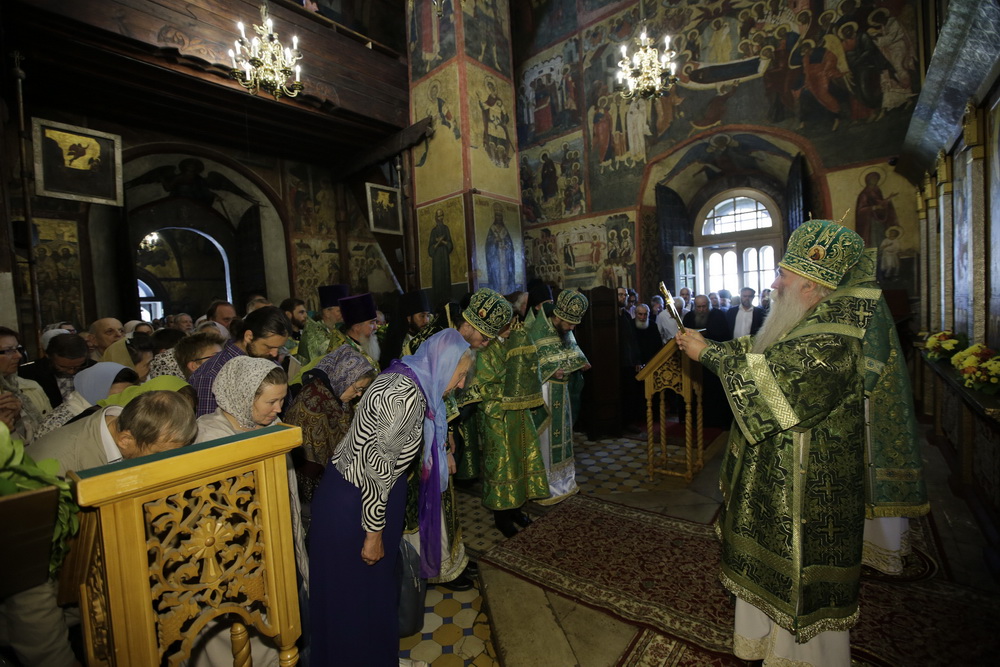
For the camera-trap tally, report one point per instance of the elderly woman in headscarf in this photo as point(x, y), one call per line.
point(89, 386)
point(324, 408)
point(357, 513)
point(249, 392)
point(138, 326)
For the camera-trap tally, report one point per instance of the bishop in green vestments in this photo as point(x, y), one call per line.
point(792, 476)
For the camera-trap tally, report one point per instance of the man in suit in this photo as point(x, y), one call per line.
point(65, 355)
point(746, 318)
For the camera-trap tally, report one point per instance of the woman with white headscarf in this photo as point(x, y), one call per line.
point(89, 386)
point(250, 392)
point(357, 512)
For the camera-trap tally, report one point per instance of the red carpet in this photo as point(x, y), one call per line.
point(661, 574)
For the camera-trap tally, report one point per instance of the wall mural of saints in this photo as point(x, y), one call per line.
point(499, 245)
point(430, 35)
point(584, 253)
point(843, 74)
point(492, 143)
point(58, 267)
point(442, 250)
point(552, 183)
point(437, 161)
point(549, 94)
point(487, 30)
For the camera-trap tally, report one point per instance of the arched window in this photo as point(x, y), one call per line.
point(738, 239)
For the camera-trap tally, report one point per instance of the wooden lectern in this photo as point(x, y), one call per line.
point(671, 370)
point(171, 541)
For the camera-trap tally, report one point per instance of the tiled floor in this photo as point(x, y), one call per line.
point(456, 627)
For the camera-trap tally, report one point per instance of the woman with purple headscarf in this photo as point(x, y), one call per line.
point(324, 409)
point(357, 512)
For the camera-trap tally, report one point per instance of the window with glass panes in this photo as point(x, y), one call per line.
point(739, 241)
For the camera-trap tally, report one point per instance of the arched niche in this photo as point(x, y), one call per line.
point(220, 199)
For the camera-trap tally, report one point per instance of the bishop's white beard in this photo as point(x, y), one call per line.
point(642, 324)
point(787, 310)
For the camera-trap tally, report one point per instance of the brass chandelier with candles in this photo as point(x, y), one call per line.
point(262, 63)
point(647, 73)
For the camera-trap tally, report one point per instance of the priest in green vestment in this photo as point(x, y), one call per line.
point(513, 471)
point(894, 478)
point(315, 339)
point(559, 357)
point(793, 474)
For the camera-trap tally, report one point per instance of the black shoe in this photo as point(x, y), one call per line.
point(504, 523)
point(461, 583)
point(522, 519)
point(472, 568)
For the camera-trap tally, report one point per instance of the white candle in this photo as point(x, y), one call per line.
point(295, 42)
point(666, 42)
point(242, 32)
point(298, 73)
point(233, 56)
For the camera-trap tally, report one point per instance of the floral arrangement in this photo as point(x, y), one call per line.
point(944, 345)
point(979, 367)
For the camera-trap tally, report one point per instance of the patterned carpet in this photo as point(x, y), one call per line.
point(660, 574)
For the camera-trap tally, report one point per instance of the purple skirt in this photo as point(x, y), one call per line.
point(354, 607)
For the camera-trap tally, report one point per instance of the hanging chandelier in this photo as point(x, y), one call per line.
point(647, 73)
point(262, 63)
point(149, 242)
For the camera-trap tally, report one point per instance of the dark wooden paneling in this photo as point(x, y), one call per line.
point(597, 335)
point(96, 58)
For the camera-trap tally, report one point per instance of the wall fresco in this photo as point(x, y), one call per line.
point(442, 250)
point(499, 258)
point(584, 253)
point(487, 26)
point(492, 142)
point(430, 35)
point(437, 162)
point(844, 76)
point(549, 94)
point(552, 183)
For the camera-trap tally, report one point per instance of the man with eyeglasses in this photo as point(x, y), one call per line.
point(65, 356)
point(23, 404)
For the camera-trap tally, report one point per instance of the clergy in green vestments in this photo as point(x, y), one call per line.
point(558, 358)
point(513, 471)
point(793, 473)
point(314, 343)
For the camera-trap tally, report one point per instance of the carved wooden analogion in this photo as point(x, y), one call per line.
point(671, 370)
point(173, 541)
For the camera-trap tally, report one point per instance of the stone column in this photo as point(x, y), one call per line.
point(946, 276)
point(976, 156)
point(465, 178)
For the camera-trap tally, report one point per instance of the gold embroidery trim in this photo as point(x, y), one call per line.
point(769, 389)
